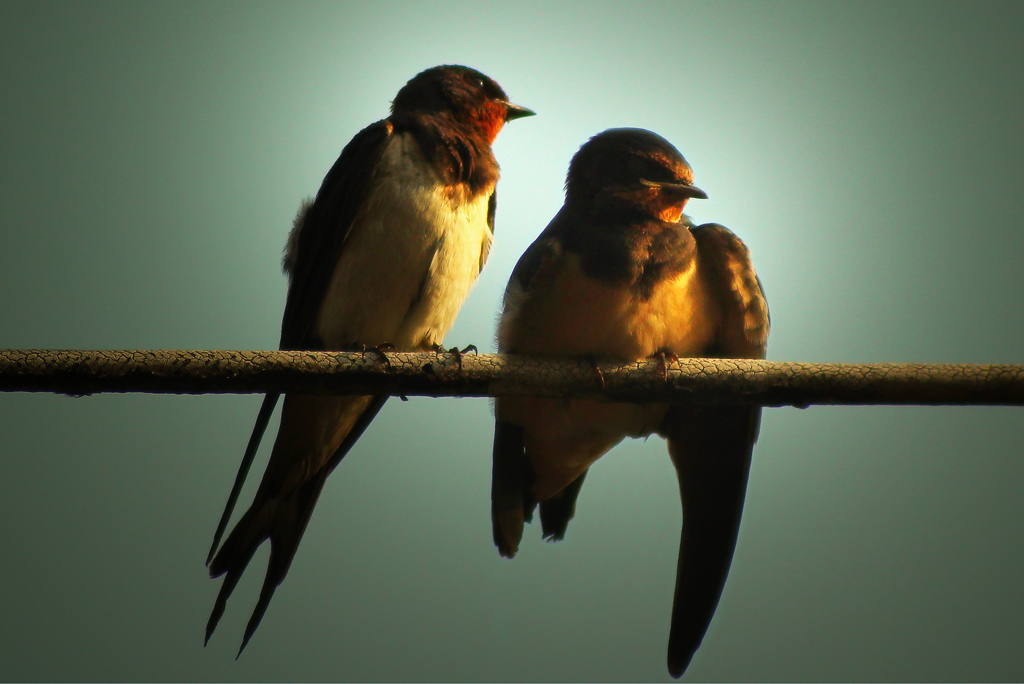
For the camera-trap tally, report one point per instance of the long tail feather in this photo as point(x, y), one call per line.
point(262, 419)
point(556, 512)
point(711, 448)
point(282, 550)
point(512, 501)
point(281, 517)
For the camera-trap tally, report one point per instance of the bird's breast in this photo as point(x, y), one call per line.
point(571, 314)
point(413, 253)
point(568, 313)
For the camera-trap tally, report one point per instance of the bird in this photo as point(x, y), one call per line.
point(621, 273)
point(382, 257)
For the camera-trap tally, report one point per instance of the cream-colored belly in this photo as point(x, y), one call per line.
point(409, 261)
point(574, 315)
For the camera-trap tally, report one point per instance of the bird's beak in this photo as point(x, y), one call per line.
point(682, 189)
point(513, 111)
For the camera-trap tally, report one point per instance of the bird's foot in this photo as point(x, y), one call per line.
point(428, 368)
point(598, 373)
point(379, 352)
point(663, 356)
point(457, 353)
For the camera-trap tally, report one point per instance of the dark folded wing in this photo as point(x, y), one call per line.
point(512, 476)
point(324, 230)
point(320, 241)
point(724, 264)
point(711, 446)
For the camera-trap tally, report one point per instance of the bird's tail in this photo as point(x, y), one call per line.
point(283, 521)
point(711, 448)
point(556, 512)
point(512, 501)
point(288, 493)
point(266, 411)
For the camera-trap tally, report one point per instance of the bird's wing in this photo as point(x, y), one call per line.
point(492, 209)
point(726, 267)
point(711, 446)
point(512, 500)
point(325, 225)
point(325, 228)
point(317, 246)
point(534, 267)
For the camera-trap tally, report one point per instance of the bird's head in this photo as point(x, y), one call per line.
point(464, 95)
point(634, 167)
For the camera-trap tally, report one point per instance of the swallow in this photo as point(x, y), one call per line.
point(383, 256)
point(621, 273)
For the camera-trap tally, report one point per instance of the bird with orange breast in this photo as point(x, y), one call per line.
point(621, 273)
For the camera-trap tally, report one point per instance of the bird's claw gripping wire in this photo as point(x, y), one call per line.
point(379, 350)
point(662, 356)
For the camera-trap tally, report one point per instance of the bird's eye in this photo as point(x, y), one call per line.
point(480, 83)
point(636, 168)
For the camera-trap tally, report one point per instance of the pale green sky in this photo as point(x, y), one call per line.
point(151, 159)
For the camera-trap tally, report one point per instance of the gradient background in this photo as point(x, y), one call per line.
point(153, 156)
